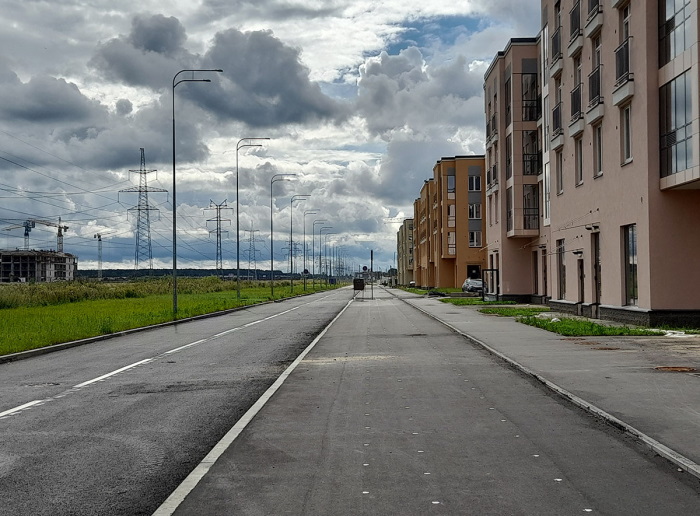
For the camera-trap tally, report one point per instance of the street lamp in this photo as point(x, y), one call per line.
point(239, 146)
point(325, 257)
point(300, 198)
point(273, 180)
point(313, 247)
point(320, 246)
point(306, 212)
point(177, 81)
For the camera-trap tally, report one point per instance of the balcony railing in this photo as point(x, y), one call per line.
point(576, 111)
point(594, 97)
point(575, 20)
point(491, 127)
point(556, 44)
point(532, 110)
point(593, 8)
point(493, 175)
point(622, 63)
point(556, 121)
point(532, 165)
point(531, 218)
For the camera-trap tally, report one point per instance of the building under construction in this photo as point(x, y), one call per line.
point(39, 266)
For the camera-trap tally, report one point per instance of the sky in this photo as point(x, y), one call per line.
point(359, 100)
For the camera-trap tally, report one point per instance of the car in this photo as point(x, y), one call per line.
point(473, 285)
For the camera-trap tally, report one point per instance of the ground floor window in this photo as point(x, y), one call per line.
point(561, 268)
point(630, 264)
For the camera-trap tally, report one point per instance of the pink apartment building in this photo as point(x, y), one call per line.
point(616, 196)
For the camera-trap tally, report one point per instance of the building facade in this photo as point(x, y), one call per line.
point(449, 224)
point(619, 180)
point(37, 266)
point(404, 254)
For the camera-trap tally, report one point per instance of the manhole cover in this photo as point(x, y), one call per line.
point(676, 369)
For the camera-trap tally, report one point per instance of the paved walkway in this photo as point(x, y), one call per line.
point(386, 382)
point(618, 375)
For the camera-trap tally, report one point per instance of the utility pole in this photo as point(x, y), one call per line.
point(143, 210)
point(218, 219)
point(99, 256)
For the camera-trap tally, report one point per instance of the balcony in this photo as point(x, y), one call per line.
point(624, 78)
point(576, 38)
point(532, 164)
point(595, 99)
point(492, 129)
point(576, 125)
point(528, 225)
point(532, 110)
point(594, 20)
point(557, 129)
point(557, 62)
point(492, 176)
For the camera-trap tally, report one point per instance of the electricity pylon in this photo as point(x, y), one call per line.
point(251, 252)
point(143, 221)
point(218, 219)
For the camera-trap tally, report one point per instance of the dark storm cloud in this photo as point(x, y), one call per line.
point(266, 9)
point(148, 56)
point(264, 82)
point(44, 99)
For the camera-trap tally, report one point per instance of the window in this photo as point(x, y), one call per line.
point(451, 243)
point(531, 100)
point(598, 150)
point(475, 210)
point(578, 160)
point(451, 218)
point(475, 239)
point(675, 120)
point(532, 164)
point(676, 32)
point(546, 184)
point(561, 268)
point(509, 209)
point(474, 183)
point(496, 207)
point(509, 156)
point(559, 163)
point(626, 133)
point(507, 94)
point(450, 183)
point(531, 207)
point(630, 264)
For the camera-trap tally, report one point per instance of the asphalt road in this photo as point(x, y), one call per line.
point(113, 427)
point(392, 414)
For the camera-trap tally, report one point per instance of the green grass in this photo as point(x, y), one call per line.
point(581, 327)
point(464, 301)
point(513, 312)
point(45, 322)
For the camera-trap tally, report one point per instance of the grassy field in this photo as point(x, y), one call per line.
point(34, 316)
point(581, 327)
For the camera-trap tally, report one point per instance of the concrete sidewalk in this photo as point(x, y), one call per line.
point(615, 377)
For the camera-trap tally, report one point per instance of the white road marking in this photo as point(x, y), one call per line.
point(75, 388)
point(20, 408)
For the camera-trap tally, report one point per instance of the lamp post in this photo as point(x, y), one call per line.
point(326, 259)
point(177, 81)
point(241, 143)
point(320, 246)
point(273, 180)
point(306, 212)
point(313, 247)
point(300, 198)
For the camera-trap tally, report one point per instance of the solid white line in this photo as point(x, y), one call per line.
point(170, 505)
point(186, 346)
point(21, 407)
point(125, 368)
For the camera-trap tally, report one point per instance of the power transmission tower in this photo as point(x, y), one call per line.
point(218, 219)
point(252, 252)
point(143, 221)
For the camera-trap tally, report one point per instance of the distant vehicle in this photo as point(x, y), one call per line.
point(473, 285)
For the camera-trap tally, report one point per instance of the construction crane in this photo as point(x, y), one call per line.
point(31, 223)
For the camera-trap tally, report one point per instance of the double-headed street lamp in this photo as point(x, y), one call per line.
point(177, 81)
point(329, 270)
point(273, 180)
point(320, 247)
point(243, 142)
point(306, 212)
point(300, 198)
point(313, 248)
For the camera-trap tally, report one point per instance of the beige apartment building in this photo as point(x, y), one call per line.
point(404, 254)
point(449, 224)
point(618, 185)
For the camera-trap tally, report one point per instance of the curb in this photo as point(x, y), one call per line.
point(664, 451)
